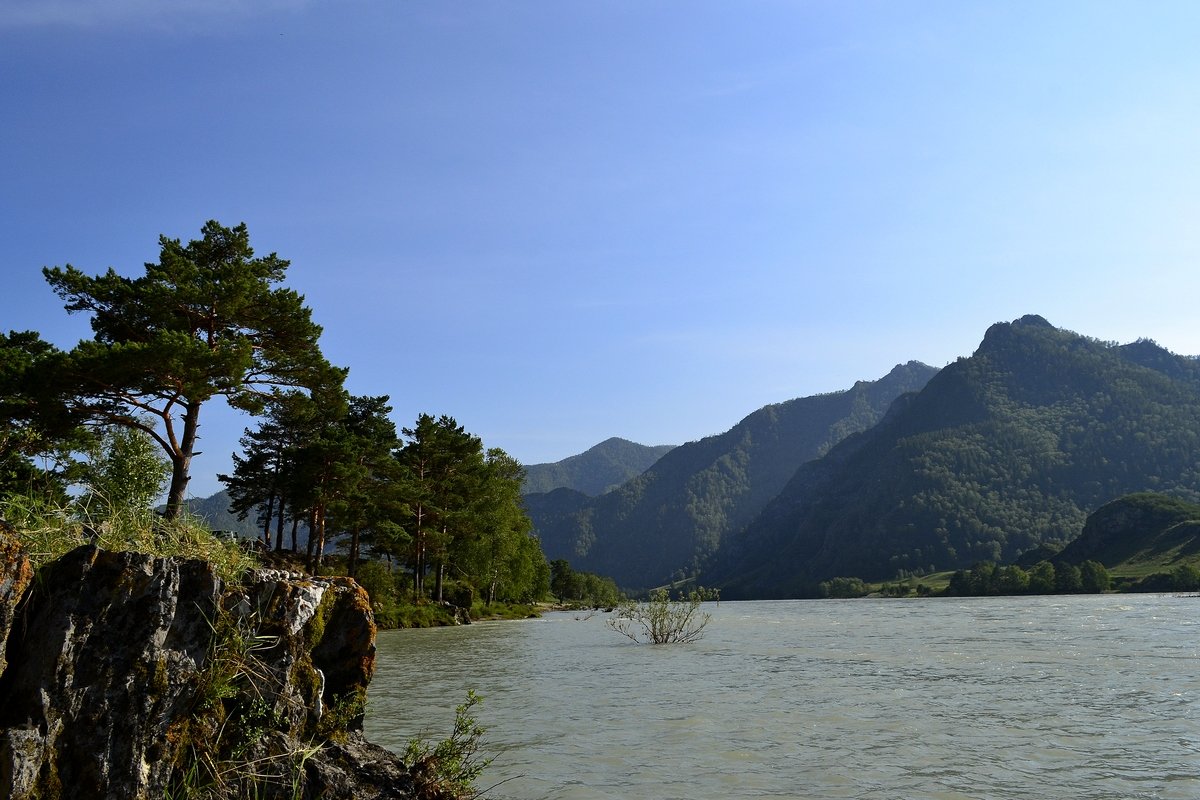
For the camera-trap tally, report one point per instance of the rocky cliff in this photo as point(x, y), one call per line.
point(125, 675)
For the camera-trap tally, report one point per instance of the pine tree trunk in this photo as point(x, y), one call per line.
point(419, 555)
point(279, 530)
point(352, 556)
point(319, 550)
point(312, 536)
point(181, 460)
point(267, 524)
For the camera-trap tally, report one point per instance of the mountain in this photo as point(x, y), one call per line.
point(999, 453)
point(214, 510)
point(596, 471)
point(668, 519)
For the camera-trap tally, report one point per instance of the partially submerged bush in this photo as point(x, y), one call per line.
point(661, 620)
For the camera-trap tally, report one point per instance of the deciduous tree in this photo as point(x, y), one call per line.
point(125, 470)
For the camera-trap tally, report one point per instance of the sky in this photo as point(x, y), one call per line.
point(564, 221)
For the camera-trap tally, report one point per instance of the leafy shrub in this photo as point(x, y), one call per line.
point(460, 594)
point(377, 580)
point(451, 766)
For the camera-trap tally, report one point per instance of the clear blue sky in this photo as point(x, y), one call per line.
point(564, 221)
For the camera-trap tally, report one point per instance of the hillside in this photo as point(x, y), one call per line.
point(666, 521)
point(999, 453)
point(595, 471)
point(1138, 533)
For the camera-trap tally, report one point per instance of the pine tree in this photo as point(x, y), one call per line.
point(438, 466)
point(38, 432)
point(205, 321)
point(367, 501)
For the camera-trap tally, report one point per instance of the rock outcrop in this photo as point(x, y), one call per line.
point(15, 576)
point(125, 675)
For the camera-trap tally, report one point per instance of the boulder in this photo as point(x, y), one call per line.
point(133, 676)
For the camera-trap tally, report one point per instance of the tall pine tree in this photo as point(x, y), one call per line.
point(206, 320)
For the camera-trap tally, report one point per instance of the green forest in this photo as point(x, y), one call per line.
point(425, 517)
point(600, 469)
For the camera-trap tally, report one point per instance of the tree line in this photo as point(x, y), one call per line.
point(208, 320)
point(579, 588)
point(986, 578)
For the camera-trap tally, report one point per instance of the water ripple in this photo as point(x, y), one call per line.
point(982, 699)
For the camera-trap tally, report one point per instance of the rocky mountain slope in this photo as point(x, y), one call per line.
point(666, 521)
point(1146, 528)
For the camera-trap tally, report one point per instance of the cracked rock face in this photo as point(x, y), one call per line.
point(118, 670)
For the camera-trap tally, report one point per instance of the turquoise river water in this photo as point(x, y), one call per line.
point(949, 699)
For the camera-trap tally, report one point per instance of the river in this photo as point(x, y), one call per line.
point(949, 699)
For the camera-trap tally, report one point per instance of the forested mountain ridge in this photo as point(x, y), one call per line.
point(596, 470)
point(1000, 452)
point(664, 522)
point(609, 463)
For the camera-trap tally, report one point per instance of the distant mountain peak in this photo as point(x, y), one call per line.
point(1032, 321)
point(1002, 330)
point(597, 470)
point(667, 520)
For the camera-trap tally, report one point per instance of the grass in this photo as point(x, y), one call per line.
point(49, 529)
